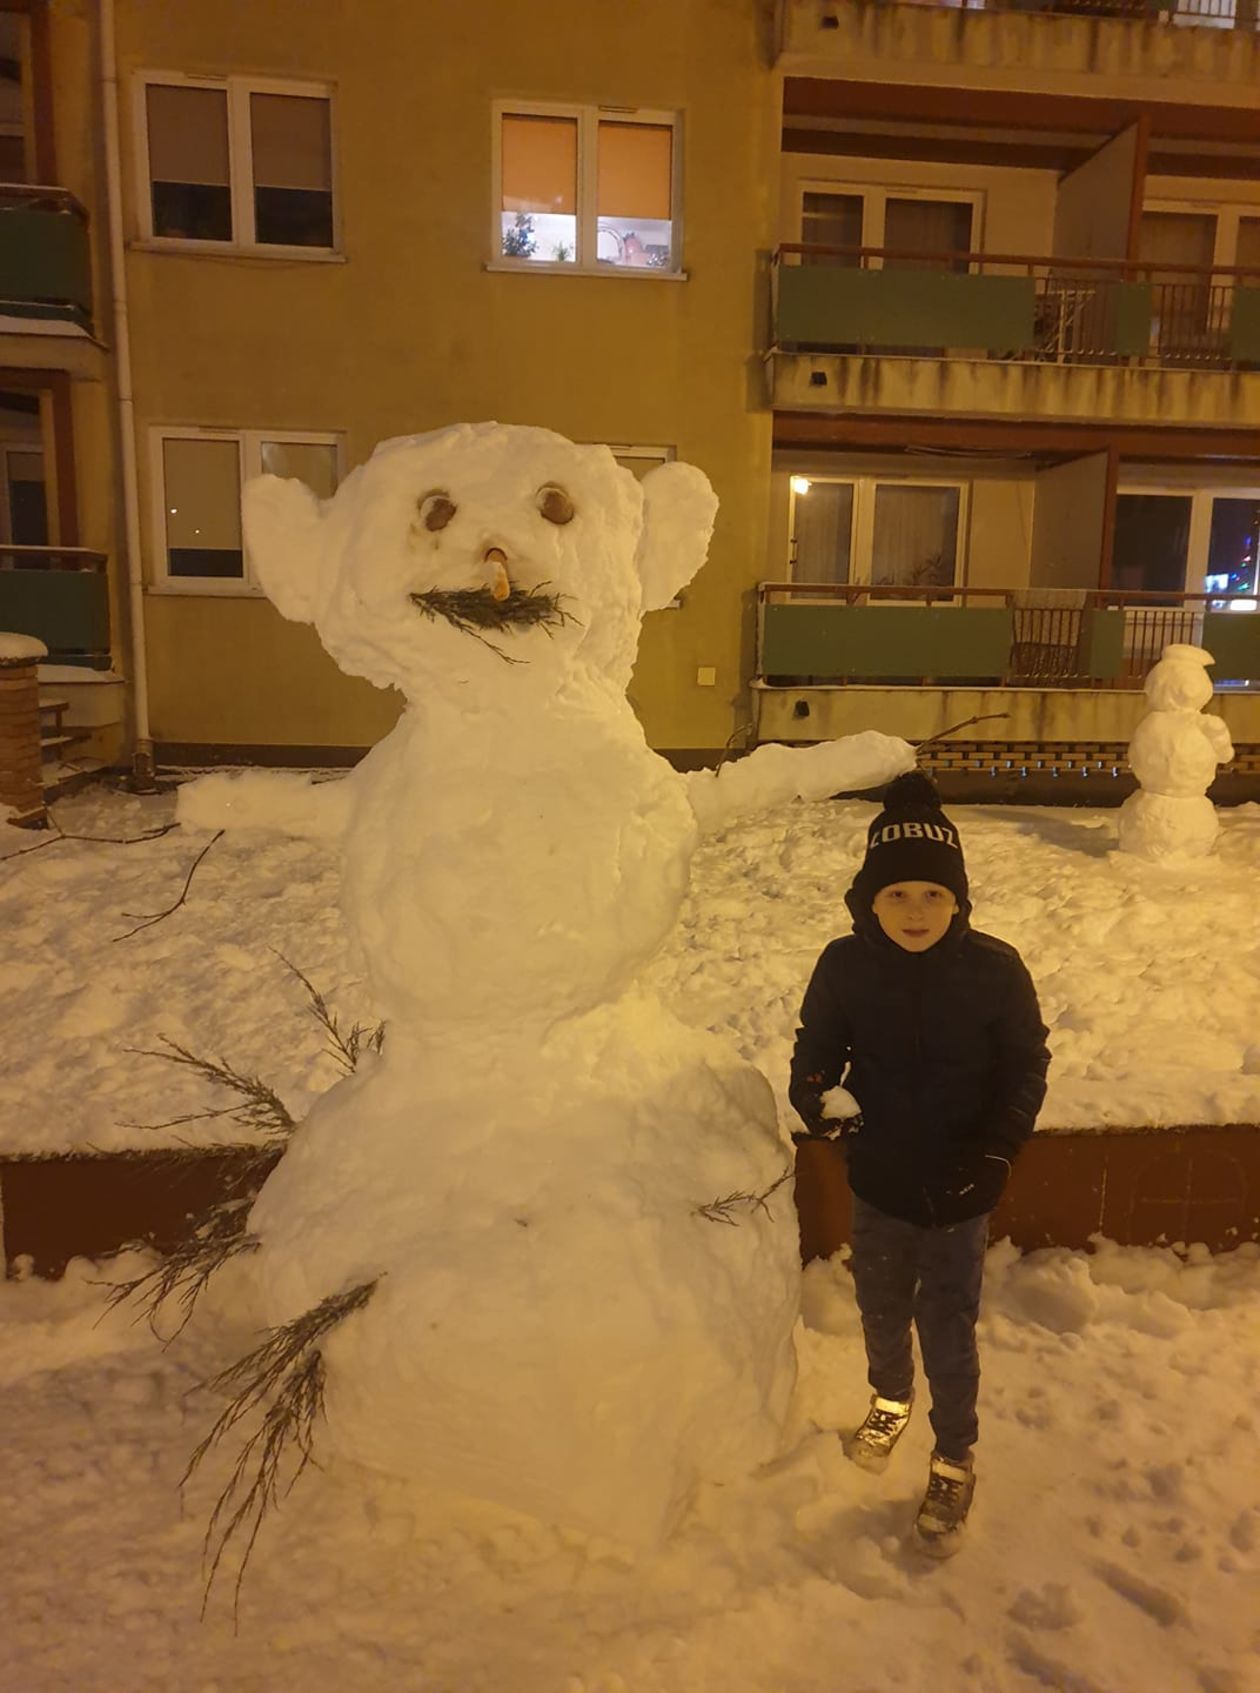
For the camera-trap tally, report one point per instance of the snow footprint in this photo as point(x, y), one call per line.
point(1158, 1603)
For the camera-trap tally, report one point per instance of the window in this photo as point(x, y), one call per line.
point(197, 478)
point(639, 460)
point(585, 188)
point(239, 163)
point(1192, 541)
point(902, 533)
point(904, 221)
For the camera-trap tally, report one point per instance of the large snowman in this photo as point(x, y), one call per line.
point(553, 1324)
point(1174, 753)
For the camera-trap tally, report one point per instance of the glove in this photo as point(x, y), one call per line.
point(974, 1183)
point(837, 1130)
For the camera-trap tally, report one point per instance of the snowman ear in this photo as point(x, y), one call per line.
point(283, 522)
point(679, 507)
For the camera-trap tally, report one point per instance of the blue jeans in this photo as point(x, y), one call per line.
point(931, 1277)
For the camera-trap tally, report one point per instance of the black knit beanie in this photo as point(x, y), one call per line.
point(911, 840)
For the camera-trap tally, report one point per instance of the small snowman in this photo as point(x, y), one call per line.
point(1174, 754)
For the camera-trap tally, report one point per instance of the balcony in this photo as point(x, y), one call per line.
point(45, 262)
point(1165, 50)
point(59, 595)
point(1066, 340)
point(1053, 676)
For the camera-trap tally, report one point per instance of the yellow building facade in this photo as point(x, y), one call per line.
point(309, 227)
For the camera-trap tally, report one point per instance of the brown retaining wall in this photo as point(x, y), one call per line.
point(1138, 1187)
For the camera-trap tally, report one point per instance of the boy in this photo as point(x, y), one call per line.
point(939, 1030)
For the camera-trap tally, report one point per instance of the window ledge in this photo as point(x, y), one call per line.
point(205, 588)
point(529, 267)
point(227, 250)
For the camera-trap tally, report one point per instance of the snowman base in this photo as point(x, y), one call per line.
point(1167, 829)
point(582, 1308)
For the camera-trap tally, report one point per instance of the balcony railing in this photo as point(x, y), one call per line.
point(45, 263)
point(1209, 14)
point(59, 595)
point(810, 632)
point(999, 306)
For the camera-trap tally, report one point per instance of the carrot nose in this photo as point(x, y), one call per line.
point(500, 582)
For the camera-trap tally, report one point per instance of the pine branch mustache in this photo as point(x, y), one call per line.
point(472, 610)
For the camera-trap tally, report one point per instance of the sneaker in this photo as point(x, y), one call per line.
point(870, 1446)
point(943, 1513)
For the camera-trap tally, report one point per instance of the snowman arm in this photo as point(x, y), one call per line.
point(267, 799)
point(1217, 732)
point(774, 775)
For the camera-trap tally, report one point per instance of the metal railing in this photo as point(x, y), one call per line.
point(1057, 309)
point(1205, 14)
point(1053, 634)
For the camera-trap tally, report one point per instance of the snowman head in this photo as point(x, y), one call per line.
point(480, 551)
point(1180, 682)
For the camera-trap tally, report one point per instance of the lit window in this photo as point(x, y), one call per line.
point(197, 494)
point(902, 533)
point(581, 188)
point(242, 163)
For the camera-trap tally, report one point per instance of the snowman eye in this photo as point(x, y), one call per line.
point(436, 509)
point(554, 504)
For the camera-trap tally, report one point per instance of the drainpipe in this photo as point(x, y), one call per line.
point(143, 772)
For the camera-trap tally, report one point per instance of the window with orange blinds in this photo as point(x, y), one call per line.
point(587, 188)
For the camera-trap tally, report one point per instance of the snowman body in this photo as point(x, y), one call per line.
point(1174, 754)
point(555, 1323)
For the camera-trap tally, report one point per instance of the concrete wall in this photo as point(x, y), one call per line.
point(869, 40)
point(1068, 519)
point(1027, 714)
point(933, 387)
point(412, 332)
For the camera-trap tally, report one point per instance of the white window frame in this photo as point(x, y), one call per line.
point(240, 164)
point(875, 197)
point(862, 533)
point(1199, 538)
point(588, 120)
point(249, 444)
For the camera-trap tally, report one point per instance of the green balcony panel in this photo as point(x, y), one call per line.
point(832, 305)
point(1126, 325)
point(45, 268)
point(68, 610)
point(1233, 639)
point(1244, 326)
point(899, 642)
point(1101, 655)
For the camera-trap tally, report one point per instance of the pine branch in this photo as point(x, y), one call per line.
point(184, 1271)
point(284, 1379)
point(347, 1049)
point(264, 1110)
point(723, 1210)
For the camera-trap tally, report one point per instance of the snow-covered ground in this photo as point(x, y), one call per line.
point(1149, 977)
point(1114, 1545)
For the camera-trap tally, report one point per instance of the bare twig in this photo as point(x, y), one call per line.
point(58, 835)
point(989, 717)
point(284, 1378)
point(264, 1110)
point(722, 1210)
point(346, 1049)
point(148, 921)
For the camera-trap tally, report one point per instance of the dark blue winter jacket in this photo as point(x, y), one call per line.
point(945, 1053)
